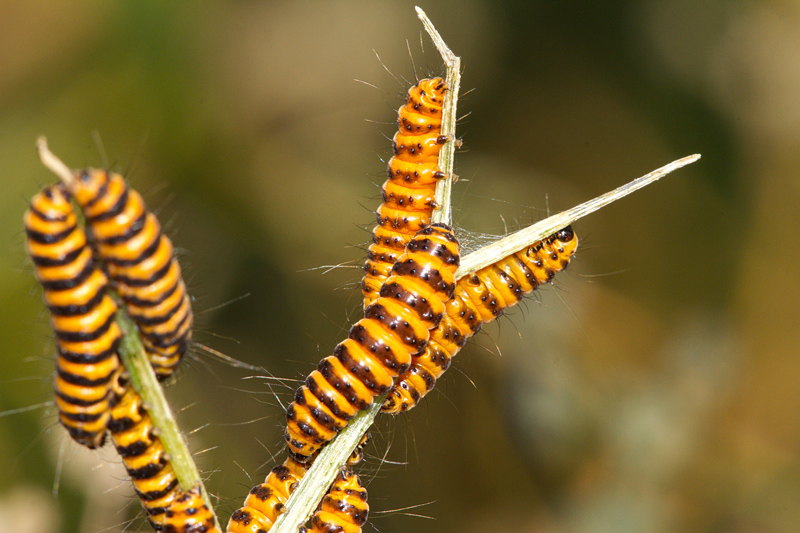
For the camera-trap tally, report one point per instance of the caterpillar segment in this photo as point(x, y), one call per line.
point(143, 455)
point(266, 502)
point(344, 508)
point(188, 513)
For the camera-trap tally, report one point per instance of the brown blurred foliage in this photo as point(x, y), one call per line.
point(653, 388)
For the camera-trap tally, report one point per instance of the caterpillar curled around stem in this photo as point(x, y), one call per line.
point(408, 194)
point(137, 256)
point(82, 315)
point(188, 513)
point(480, 298)
point(379, 346)
point(265, 502)
point(344, 508)
point(143, 455)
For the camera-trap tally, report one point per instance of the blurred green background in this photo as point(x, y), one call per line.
point(653, 388)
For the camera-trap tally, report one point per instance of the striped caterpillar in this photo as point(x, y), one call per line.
point(408, 194)
point(344, 508)
point(143, 455)
point(480, 298)
point(265, 502)
point(82, 315)
point(188, 513)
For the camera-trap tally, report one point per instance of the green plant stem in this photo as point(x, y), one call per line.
point(143, 380)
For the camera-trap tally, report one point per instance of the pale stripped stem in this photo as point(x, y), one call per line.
point(142, 377)
point(452, 62)
point(309, 492)
point(523, 238)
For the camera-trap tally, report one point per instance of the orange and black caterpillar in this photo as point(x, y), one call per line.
point(344, 508)
point(266, 501)
point(379, 346)
point(143, 455)
point(139, 259)
point(188, 513)
point(408, 194)
point(480, 298)
point(82, 315)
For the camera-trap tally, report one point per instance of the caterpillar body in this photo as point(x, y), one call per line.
point(82, 315)
point(344, 508)
point(188, 513)
point(139, 259)
point(265, 502)
point(143, 455)
point(379, 346)
point(478, 299)
point(408, 194)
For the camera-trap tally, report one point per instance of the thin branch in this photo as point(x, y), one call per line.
point(452, 62)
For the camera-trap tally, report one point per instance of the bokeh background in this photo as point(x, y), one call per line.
point(653, 388)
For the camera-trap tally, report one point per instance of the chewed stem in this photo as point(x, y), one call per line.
point(447, 156)
point(56, 166)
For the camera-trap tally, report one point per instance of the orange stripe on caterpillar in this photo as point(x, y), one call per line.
point(143, 455)
point(478, 299)
point(188, 513)
point(140, 260)
point(82, 315)
point(408, 194)
point(379, 346)
point(344, 509)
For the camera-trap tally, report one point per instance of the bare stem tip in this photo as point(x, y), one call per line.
point(56, 166)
